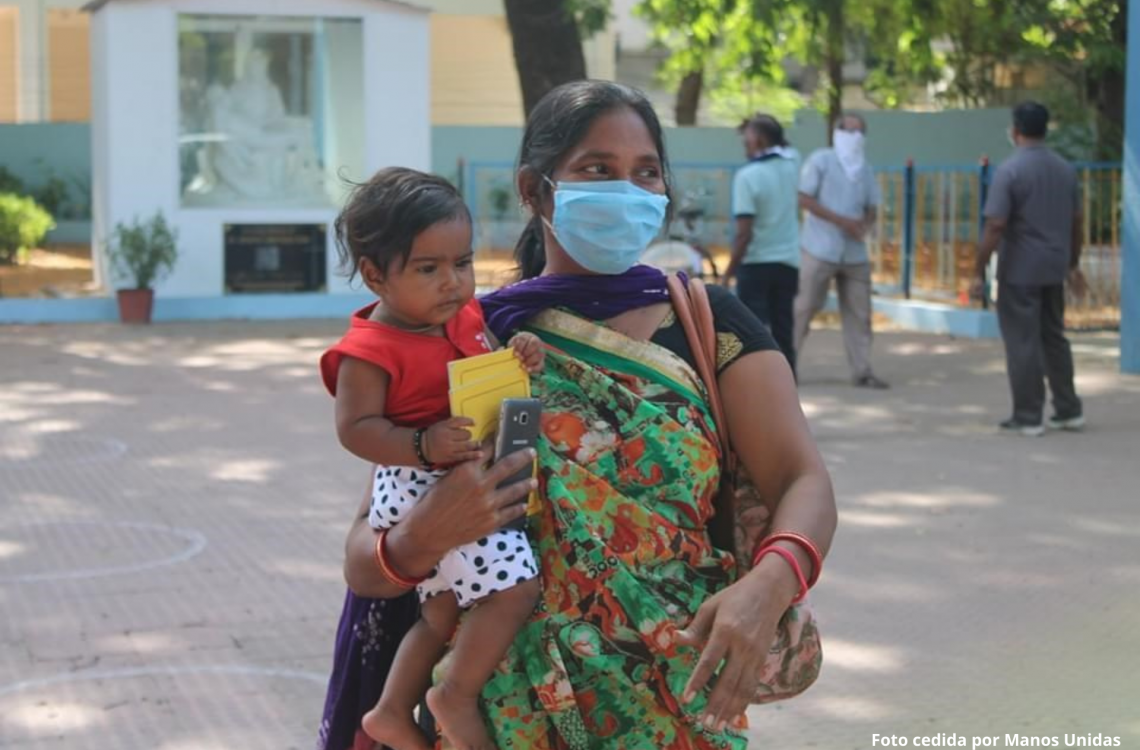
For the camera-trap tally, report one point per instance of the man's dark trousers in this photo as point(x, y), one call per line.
point(769, 291)
point(1032, 321)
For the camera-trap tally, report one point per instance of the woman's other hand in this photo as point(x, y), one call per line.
point(770, 434)
point(737, 626)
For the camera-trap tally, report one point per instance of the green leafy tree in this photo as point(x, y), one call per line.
point(1083, 42)
point(742, 43)
point(691, 30)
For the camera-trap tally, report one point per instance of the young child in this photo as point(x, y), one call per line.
point(408, 234)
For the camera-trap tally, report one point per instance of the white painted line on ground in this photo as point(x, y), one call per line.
point(197, 542)
point(127, 673)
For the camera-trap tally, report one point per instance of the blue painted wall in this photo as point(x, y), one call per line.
point(1130, 278)
point(930, 138)
point(34, 152)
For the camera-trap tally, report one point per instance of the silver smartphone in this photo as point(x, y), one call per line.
point(519, 423)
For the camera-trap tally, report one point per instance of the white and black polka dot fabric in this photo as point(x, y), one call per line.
point(395, 491)
point(473, 571)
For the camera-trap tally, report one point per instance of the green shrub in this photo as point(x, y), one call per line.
point(143, 252)
point(23, 224)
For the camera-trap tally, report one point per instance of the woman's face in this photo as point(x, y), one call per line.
point(617, 146)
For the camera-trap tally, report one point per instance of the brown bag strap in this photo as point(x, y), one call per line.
point(694, 312)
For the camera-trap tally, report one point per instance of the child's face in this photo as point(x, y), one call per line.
point(435, 283)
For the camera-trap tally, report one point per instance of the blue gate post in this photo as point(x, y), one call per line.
point(908, 226)
point(1130, 249)
point(983, 193)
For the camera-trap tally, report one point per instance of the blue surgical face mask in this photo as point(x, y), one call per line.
point(605, 226)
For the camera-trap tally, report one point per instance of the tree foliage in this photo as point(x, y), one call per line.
point(740, 42)
point(964, 47)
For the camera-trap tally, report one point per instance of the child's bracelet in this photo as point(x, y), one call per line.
point(418, 444)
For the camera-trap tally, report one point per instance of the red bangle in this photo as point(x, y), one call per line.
point(806, 544)
point(791, 560)
point(385, 564)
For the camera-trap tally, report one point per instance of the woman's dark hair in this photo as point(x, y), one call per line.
point(557, 124)
point(1031, 119)
point(382, 217)
point(767, 126)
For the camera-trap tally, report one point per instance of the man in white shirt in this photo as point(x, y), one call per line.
point(840, 196)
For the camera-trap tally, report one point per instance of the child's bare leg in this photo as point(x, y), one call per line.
point(483, 640)
point(391, 723)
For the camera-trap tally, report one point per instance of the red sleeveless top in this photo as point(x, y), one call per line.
point(416, 364)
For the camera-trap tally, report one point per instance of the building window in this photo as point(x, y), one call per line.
point(271, 109)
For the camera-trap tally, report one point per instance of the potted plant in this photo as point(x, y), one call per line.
point(142, 253)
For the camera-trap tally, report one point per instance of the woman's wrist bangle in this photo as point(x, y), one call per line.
point(794, 563)
point(418, 444)
point(385, 564)
point(804, 543)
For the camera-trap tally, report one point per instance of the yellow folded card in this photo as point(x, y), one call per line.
point(479, 385)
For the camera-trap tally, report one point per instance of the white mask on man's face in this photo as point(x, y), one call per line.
point(849, 147)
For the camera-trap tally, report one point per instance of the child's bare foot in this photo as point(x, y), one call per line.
point(394, 729)
point(459, 719)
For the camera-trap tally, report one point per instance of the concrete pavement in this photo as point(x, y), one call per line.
point(173, 503)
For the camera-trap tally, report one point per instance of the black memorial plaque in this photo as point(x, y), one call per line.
point(275, 257)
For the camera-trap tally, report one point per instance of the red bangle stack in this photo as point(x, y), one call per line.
point(791, 560)
point(804, 543)
point(385, 565)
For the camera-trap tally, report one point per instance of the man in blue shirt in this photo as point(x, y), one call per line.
point(766, 247)
point(840, 195)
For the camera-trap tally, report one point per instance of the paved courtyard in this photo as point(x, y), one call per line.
point(173, 503)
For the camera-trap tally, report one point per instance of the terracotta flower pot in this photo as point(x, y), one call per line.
point(135, 305)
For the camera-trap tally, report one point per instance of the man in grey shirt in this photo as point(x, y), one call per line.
point(1034, 212)
point(840, 197)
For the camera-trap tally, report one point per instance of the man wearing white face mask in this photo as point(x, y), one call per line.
point(840, 196)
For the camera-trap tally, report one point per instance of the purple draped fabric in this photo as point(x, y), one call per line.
point(366, 641)
point(593, 297)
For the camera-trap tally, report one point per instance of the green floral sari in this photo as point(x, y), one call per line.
point(628, 472)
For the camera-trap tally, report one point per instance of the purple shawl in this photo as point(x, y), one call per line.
point(593, 297)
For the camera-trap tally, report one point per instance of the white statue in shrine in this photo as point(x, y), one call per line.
point(261, 152)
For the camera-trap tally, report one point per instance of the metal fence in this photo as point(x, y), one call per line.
point(930, 224)
point(922, 246)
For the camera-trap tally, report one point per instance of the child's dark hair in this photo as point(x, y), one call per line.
point(382, 217)
point(557, 124)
